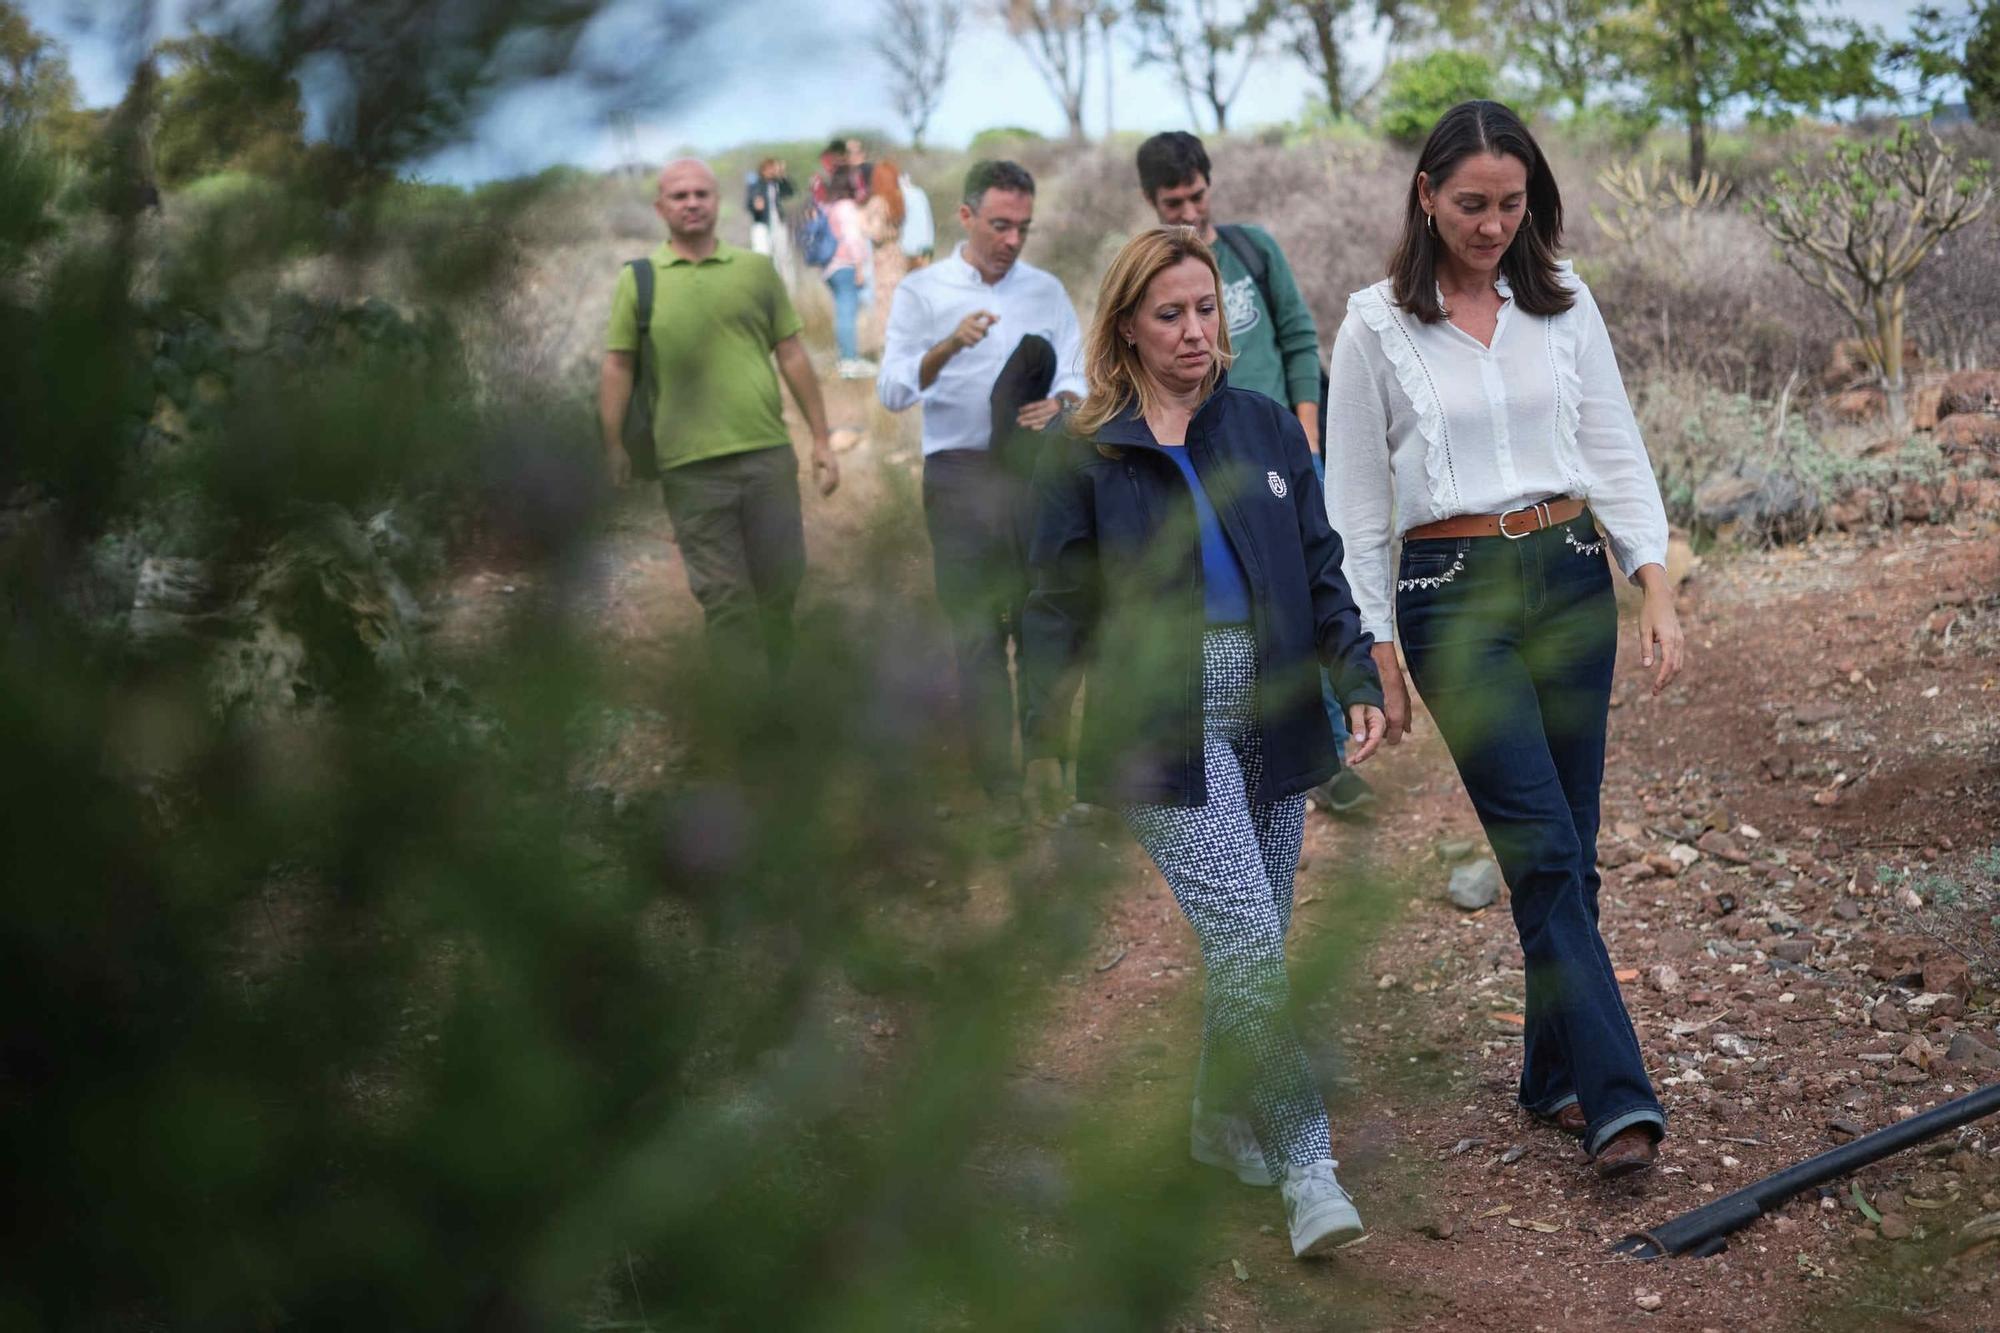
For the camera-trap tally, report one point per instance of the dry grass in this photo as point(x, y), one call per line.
point(1718, 308)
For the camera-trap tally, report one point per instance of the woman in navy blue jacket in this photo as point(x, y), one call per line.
point(1183, 563)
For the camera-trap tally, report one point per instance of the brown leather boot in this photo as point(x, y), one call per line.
point(1570, 1120)
point(1631, 1150)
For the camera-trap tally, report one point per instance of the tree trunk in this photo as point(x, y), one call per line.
point(1073, 94)
point(1110, 63)
point(1889, 330)
point(1327, 38)
point(1697, 113)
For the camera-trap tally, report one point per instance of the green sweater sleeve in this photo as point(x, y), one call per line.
point(1292, 323)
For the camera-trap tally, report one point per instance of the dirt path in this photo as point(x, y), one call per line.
point(1835, 747)
point(1764, 1032)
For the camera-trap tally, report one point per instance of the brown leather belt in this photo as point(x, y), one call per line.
point(1513, 525)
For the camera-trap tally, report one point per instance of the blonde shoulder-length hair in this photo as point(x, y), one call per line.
point(1111, 366)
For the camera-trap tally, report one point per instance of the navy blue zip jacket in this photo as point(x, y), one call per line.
point(1117, 592)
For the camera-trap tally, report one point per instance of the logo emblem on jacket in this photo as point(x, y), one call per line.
point(1278, 487)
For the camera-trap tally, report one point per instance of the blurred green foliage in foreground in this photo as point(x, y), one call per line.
point(331, 994)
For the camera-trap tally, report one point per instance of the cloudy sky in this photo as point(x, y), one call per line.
point(789, 69)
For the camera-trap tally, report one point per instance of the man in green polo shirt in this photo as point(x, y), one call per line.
point(727, 470)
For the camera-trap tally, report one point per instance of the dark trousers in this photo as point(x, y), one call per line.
point(742, 538)
point(975, 505)
point(977, 515)
point(1512, 644)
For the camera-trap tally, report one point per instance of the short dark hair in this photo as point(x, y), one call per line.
point(995, 174)
point(835, 146)
point(1530, 262)
point(1170, 159)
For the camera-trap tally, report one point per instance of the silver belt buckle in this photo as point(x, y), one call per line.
point(1540, 509)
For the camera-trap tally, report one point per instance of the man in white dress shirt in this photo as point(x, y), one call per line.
point(981, 339)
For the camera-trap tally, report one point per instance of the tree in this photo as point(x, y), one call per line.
point(1207, 46)
point(36, 88)
point(914, 39)
point(1694, 59)
point(1982, 66)
point(1323, 31)
point(1857, 224)
point(1423, 89)
point(1559, 42)
point(1055, 34)
point(1947, 46)
point(219, 106)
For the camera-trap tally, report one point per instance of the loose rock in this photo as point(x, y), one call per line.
point(1475, 886)
point(1969, 1051)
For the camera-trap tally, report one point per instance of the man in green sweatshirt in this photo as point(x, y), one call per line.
point(1270, 328)
point(1271, 331)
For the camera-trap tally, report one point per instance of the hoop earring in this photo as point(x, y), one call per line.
point(1431, 224)
point(1529, 220)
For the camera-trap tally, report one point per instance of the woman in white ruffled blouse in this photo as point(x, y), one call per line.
point(1476, 412)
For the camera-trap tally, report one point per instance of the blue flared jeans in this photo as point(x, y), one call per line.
point(1512, 645)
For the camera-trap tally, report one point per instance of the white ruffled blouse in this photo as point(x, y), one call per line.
point(1424, 424)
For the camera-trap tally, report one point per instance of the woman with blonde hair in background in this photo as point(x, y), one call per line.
point(1183, 567)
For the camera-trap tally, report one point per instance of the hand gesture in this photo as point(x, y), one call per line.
point(1034, 416)
point(1661, 644)
point(826, 471)
point(1367, 726)
point(1395, 695)
point(971, 330)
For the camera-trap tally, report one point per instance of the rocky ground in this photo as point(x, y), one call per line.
point(1793, 832)
point(1802, 897)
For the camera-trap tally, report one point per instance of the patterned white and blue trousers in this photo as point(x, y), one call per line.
point(1230, 864)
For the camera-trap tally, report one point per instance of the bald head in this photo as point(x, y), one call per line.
point(684, 166)
point(687, 199)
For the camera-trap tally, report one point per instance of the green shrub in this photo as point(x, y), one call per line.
point(1001, 140)
point(1422, 89)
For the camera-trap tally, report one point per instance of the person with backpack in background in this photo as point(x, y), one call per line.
point(844, 271)
point(841, 157)
point(698, 323)
point(1276, 346)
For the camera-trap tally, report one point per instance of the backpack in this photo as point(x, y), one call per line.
point(637, 433)
point(816, 239)
point(1253, 258)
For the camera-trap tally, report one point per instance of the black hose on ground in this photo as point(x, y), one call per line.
point(1705, 1231)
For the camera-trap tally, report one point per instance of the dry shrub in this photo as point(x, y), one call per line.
point(1722, 307)
point(1955, 296)
point(1087, 205)
point(1333, 206)
point(1739, 467)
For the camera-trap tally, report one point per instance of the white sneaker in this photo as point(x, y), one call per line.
point(1318, 1209)
point(1228, 1141)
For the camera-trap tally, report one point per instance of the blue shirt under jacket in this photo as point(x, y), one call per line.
point(1225, 593)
